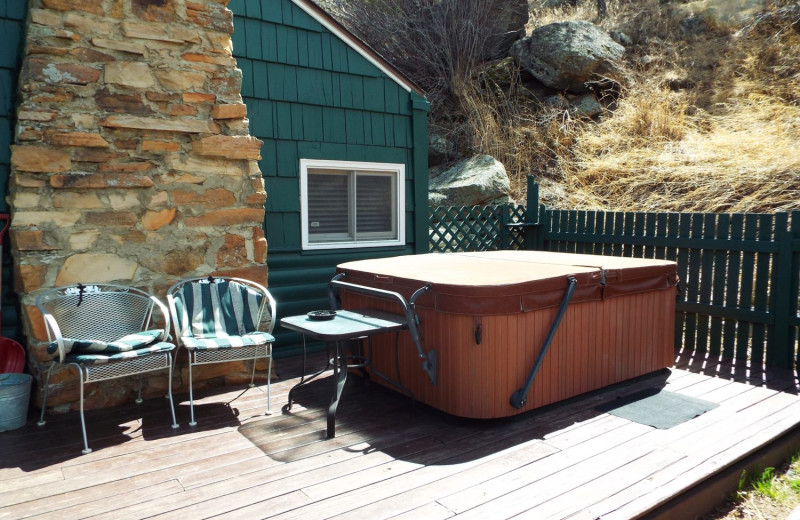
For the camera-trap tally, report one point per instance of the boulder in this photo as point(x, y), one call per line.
point(478, 181)
point(437, 199)
point(578, 105)
point(570, 55)
point(556, 101)
point(585, 106)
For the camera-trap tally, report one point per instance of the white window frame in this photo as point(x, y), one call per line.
point(398, 171)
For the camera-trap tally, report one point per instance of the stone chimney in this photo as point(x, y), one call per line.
point(132, 163)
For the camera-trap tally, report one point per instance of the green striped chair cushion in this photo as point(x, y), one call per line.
point(218, 309)
point(94, 346)
point(99, 359)
point(245, 340)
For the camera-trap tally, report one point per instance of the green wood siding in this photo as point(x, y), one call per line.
point(309, 95)
point(12, 14)
point(12, 17)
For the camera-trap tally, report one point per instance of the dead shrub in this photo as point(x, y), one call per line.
point(436, 43)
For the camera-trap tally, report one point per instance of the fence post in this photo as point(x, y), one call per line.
point(794, 289)
point(532, 225)
point(779, 352)
point(505, 236)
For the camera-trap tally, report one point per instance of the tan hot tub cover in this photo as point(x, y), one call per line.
point(487, 315)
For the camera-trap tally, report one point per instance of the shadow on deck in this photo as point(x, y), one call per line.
point(567, 460)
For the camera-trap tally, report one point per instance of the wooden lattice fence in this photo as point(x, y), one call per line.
point(475, 228)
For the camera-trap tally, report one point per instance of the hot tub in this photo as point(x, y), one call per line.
point(488, 315)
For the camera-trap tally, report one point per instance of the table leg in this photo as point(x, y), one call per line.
point(339, 379)
point(303, 379)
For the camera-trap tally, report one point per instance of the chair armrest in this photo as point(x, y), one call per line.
point(54, 335)
point(165, 314)
point(273, 308)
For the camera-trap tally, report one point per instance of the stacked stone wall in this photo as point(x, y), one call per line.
point(132, 163)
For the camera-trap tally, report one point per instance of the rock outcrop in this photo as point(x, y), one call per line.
point(480, 180)
point(570, 56)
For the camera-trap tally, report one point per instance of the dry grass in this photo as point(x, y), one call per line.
point(726, 144)
point(652, 156)
point(508, 124)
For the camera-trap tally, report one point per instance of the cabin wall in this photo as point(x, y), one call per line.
point(12, 26)
point(310, 95)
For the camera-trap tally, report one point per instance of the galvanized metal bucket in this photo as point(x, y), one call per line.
point(15, 393)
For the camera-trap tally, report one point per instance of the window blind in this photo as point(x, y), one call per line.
point(328, 207)
point(374, 207)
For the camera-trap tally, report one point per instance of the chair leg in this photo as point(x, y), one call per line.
point(139, 393)
point(269, 380)
point(44, 396)
point(173, 361)
point(253, 374)
point(191, 394)
point(169, 391)
point(86, 450)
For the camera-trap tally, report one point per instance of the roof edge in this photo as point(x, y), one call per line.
point(330, 23)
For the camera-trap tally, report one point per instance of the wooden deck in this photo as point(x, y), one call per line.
point(568, 460)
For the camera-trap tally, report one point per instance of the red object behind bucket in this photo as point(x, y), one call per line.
point(12, 354)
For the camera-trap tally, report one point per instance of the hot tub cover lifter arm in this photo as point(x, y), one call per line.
point(520, 397)
point(429, 359)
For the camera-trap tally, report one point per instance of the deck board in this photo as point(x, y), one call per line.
point(567, 460)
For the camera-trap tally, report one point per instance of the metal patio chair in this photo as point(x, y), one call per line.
point(218, 319)
point(106, 331)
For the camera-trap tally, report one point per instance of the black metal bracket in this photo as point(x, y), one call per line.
point(81, 291)
point(429, 359)
point(523, 224)
point(520, 397)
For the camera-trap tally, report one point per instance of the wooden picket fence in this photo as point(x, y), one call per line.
point(740, 273)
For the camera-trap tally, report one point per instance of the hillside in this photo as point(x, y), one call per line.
point(708, 118)
point(712, 120)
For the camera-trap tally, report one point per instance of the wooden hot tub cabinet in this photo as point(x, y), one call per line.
point(487, 315)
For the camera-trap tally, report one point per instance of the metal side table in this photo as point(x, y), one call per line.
point(344, 327)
